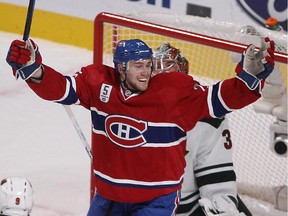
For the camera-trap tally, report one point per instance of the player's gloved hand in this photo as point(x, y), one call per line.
point(255, 66)
point(24, 58)
point(221, 205)
point(268, 61)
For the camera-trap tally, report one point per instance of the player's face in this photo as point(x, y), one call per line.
point(138, 74)
point(166, 65)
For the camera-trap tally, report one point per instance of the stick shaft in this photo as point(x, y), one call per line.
point(79, 131)
point(29, 19)
point(67, 108)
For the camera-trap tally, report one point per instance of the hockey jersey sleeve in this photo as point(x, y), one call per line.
point(214, 171)
point(53, 85)
point(229, 95)
point(67, 90)
point(57, 88)
point(207, 101)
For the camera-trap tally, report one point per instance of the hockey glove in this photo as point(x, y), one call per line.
point(255, 66)
point(221, 205)
point(24, 58)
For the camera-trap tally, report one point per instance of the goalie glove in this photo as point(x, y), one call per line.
point(24, 58)
point(256, 66)
point(221, 205)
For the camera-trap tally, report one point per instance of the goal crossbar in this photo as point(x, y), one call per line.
point(165, 31)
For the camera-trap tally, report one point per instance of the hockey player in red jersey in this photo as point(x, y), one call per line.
point(209, 172)
point(139, 124)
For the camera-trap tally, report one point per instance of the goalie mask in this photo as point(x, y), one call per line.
point(130, 50)
point(166, 56)
point(16, 197)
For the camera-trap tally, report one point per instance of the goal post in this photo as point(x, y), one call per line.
point(207, 44)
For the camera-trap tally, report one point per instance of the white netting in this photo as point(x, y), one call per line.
point(211, 27)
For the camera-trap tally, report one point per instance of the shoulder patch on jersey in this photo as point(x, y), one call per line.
point(215, 122)
point(105, 92)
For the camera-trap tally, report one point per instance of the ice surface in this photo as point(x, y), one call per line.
point(38, 140)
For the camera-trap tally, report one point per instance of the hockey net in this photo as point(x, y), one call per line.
point(207, 44)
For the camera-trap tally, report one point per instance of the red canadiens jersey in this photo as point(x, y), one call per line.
point(138, 141)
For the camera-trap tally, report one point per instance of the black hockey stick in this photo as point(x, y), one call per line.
point(68, 109)
point(29, 19)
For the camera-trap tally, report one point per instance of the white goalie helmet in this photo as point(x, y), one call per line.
point(16, 197)
point(167, 52)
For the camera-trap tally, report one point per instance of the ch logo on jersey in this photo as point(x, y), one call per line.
point(267, 8)
point(105, 92)
point(125, 131)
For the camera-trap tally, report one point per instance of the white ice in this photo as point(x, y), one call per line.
point(38, 140)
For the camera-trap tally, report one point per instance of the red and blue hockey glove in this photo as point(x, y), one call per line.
point(256, 66)
point(268, 62)
point(24, 58)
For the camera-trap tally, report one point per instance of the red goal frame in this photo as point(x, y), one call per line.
point(137, 24)
point(105, 17)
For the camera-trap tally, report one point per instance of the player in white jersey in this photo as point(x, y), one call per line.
point(209, 172)
point(16, 197)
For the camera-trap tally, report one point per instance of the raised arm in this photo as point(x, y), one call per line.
point(26, 62)
point(254, 67)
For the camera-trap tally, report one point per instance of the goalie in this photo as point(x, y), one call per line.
point(209, 177)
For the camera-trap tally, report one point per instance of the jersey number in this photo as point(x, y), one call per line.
point(17, 201)
point(228, 144)
point(105, 92)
